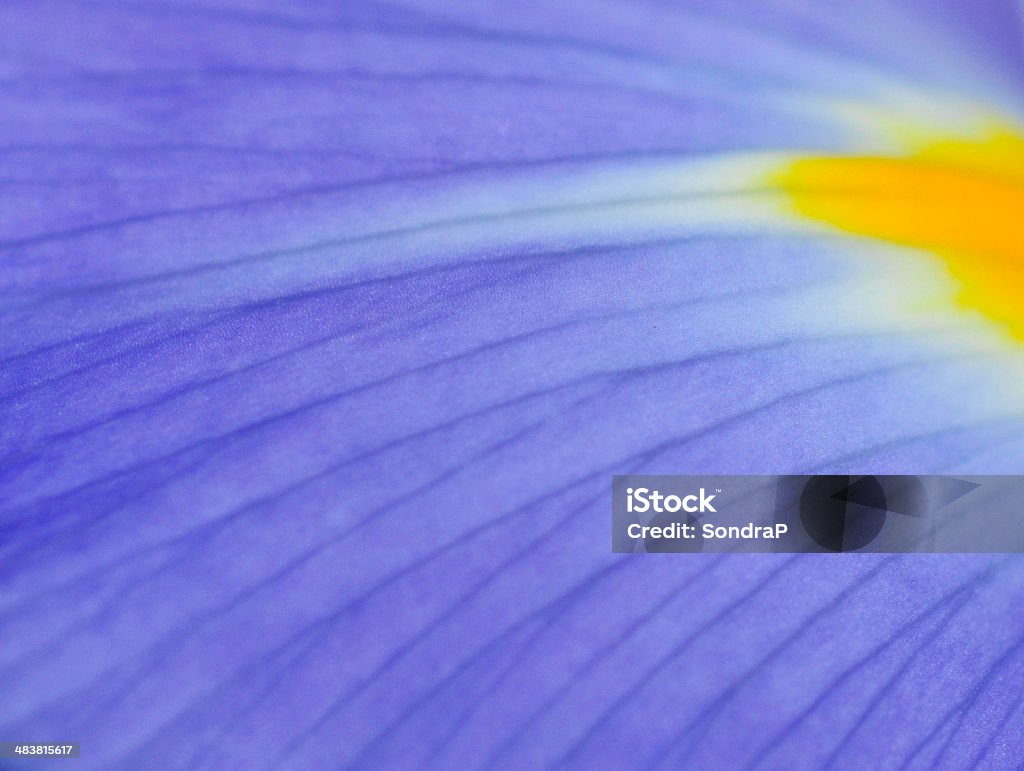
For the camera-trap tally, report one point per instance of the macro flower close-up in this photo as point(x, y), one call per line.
point(327, 325)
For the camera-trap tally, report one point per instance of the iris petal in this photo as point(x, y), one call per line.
point(328, 325)
point(960, 200)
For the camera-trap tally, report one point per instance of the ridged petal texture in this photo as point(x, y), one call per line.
point(325, 325)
